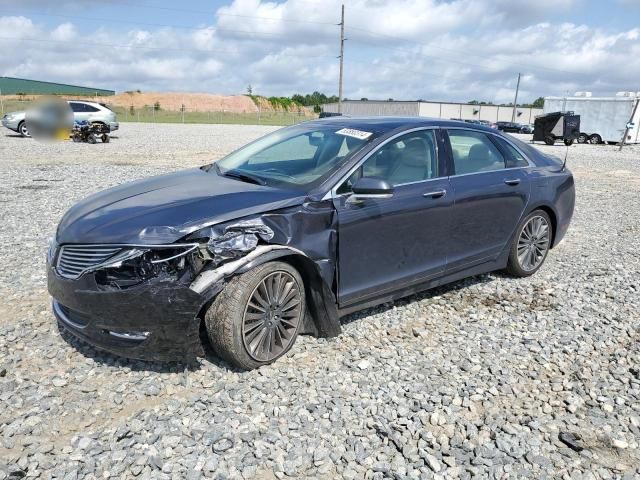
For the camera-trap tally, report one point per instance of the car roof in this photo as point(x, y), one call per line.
point(83, 101)
point(383, 124)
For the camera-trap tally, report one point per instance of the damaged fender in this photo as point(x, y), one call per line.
point(305, 234)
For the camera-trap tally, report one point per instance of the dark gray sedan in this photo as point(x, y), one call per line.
point(290, 232)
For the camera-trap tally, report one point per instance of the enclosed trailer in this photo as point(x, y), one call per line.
point(602, 119)
point(556, 126)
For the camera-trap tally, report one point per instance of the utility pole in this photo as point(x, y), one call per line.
point(630, 124)
point(515, 101)
point(341, 60)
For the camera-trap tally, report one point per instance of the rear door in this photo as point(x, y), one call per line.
point(491, 190)
point(79, 113)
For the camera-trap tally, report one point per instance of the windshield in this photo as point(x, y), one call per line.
point(297, 156)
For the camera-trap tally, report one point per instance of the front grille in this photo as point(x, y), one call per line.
point(76, 259)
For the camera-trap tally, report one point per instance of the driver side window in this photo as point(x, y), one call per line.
point(407, 159)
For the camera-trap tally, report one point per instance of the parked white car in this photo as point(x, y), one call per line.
point(90, 111)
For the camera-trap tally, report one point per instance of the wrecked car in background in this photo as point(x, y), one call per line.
point(304, 225)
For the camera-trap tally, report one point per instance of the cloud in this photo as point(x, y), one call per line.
point(405, 49)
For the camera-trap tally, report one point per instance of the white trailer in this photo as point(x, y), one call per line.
point(602, 119)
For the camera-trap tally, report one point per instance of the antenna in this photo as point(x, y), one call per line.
point(564, 164)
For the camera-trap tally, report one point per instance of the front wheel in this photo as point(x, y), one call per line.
point(531, 244)
point(256, 318)
point(568, 143)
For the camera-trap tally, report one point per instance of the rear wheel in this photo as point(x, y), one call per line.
point(549, 140)
point(582, 138)
point(531, 244)
point(256, 318)
point(23, 129)
point(595, 139)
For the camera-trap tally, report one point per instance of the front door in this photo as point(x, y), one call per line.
point(388, 243)
point(491, 190)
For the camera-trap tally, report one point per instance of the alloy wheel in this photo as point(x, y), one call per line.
point(533, 243)
point(272, 317)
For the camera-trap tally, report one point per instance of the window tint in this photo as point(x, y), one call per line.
point(409, 158)
point(90, 108)
point(514, 157)
point(77, 107)
point(473, 152)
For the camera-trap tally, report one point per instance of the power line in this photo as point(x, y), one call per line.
point(168, 25)
point(209, 12)
point(142, 47)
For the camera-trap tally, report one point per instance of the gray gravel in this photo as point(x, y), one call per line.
point(477, 379)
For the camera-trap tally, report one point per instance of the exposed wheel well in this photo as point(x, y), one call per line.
point(320, 296)
point(554, 221)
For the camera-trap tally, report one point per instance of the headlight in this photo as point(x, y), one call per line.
point(139, 264)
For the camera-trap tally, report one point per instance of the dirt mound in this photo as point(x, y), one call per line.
point(193, 102)
point(173, 101)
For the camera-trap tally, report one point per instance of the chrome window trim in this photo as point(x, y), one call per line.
point(487, 171)
point(332, 193)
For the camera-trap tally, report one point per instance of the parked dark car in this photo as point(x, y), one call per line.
point(509, 127)
point(526, 128)
point(292, 231)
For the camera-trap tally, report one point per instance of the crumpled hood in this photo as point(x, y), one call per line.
point(165, 208)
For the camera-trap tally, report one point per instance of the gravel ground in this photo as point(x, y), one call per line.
point(477, 379)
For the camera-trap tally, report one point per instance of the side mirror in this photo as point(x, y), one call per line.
point(370, 187)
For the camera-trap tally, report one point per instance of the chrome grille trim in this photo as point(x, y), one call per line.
point(74, 260)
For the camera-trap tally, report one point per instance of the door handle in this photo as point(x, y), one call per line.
point(435, 194)
point(512, 181)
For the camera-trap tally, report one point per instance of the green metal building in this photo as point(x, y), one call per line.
point(21, 86)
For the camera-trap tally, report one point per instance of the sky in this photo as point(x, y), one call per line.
point(456, 50)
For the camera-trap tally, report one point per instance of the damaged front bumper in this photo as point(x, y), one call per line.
point(146, 301)
point(156, 320)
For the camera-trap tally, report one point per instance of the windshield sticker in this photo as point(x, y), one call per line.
point(352, 132)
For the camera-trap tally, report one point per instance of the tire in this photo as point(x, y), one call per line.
point(531, 258)
point(549, 140)
point(23, 130)
point(105, 138)
point(595, 139)
point(568, 143)
point(244, 336)
point(583, 138)
point(91, 138)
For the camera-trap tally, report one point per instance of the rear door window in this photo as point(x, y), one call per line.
point(514, 158)
point(76, 107)
point(473, 152)
point(90, 108)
